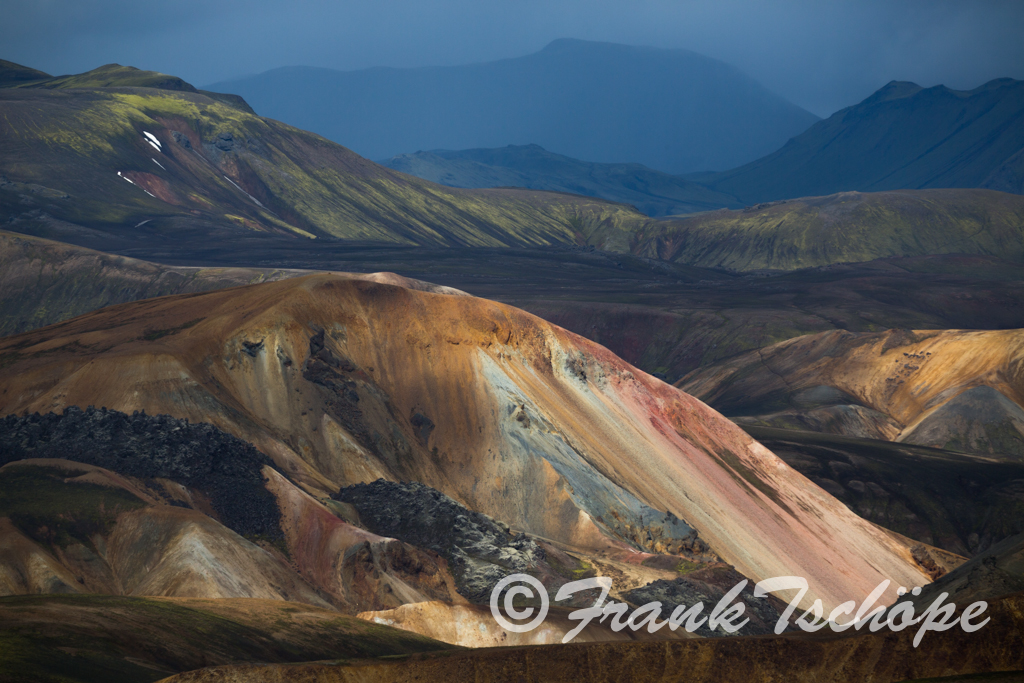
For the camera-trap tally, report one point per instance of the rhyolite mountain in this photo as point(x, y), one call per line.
point(953, 389)
point(901, 137)
point(533, 167)
point(340, 381)
point(671, 110)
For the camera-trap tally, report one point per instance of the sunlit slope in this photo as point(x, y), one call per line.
point(78, 149)
point(956, 389)
point(343, 381)
point(848, 227)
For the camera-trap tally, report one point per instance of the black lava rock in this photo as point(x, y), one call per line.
point(199, 456)
point(479, 550)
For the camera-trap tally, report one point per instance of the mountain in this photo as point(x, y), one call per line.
point(671, 110)
point(848, 227)
point(119, 156)
point(901, 137)
point(531, 166)
point(956, 389)
point(342, 381)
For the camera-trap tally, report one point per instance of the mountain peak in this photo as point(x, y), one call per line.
point(893, 90)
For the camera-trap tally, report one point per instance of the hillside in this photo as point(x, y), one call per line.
point(665, 318)
point(531, 166)
point(671, 110)
point(995, 653)
point(955, 389)
point(901, 137)
point(98, 638)
point(45, 281)
point(343, 381)
point(96, 159)
point(848, 227)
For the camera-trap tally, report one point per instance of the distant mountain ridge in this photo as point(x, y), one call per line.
point(671, 110)
point(533, 167)
point(901, 137)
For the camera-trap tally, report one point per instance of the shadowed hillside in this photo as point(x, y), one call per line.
point(902, 137)
point(531, 166)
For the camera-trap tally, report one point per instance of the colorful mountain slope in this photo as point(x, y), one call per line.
point(956, 389)
point(341, 381)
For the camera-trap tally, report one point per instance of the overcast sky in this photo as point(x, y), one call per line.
point(821, 54)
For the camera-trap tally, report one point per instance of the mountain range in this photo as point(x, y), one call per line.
point(901, 137)
point(671, 110)
point(531, 166)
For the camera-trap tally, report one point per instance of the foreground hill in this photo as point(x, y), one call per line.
point(119, 154)
point(341, 381)
point(671, 110)
point(955, 389)
point(901, 137)
point(848, 227)
point(996, 652)
point(531, 166)
point(107, 638)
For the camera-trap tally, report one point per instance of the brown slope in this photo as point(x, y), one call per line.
point(342, 381)
point(99, 638)
point(885, 657)
point(960, 389)
point(74, 528)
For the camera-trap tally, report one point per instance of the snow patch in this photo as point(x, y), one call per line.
point(136, 185)
point(158, 163)
point(255, 201)
point(151, 139)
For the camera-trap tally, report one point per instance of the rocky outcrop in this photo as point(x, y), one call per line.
point(480, 550)
point(221, 466)
point(709, 586)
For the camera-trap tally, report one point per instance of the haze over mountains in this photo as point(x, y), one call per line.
point(672, 110)
point(901, 137)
